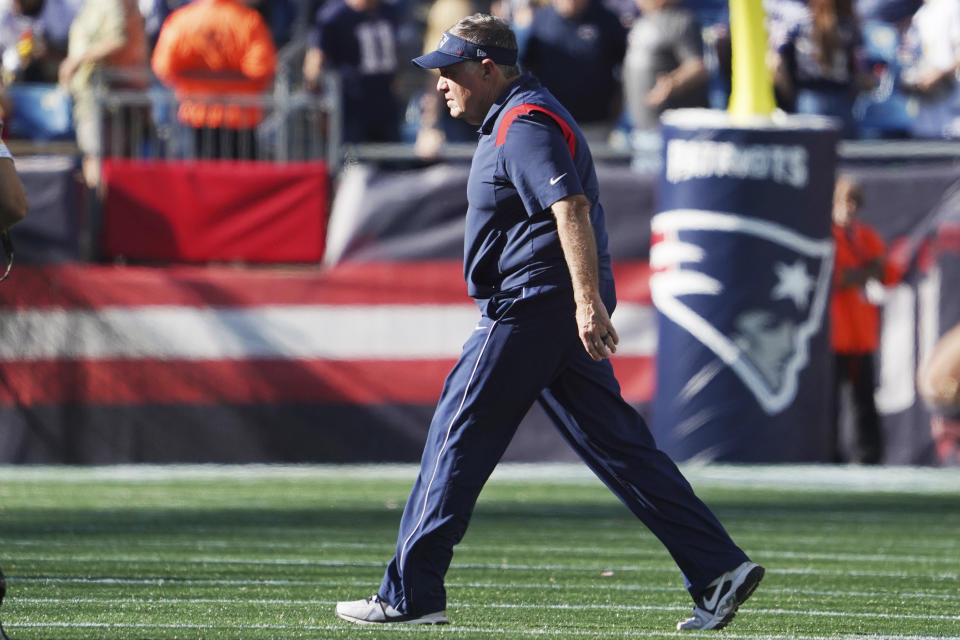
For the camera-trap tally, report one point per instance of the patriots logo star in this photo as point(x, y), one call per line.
point(794, 283)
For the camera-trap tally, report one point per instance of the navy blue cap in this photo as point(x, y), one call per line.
point(453, 49)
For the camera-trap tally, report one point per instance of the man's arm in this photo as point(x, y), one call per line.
point(312, 67)
point(13, 197)
point(690, 71)
point(580, 252)
point(687, 76)
point(259, 62)
point(98, 52)
point(859, 276)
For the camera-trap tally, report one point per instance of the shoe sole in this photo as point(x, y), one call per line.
point(743, 592)
point(430, 618)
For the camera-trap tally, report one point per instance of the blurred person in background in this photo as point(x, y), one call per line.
point(817, 67)
point(664, 67)
point(938, 381)
point(6, 102)
point(107, 37)
point(33, 38)
point(280, 16)
point(860, 270)
point(219, 57)
point(625, 10)
point(931, 56)
point(154, 12)
point(357, 39)
point(576, 49)
point(518, 14)
point(781, 18)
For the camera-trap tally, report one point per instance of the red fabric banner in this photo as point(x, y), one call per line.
point(203, 211)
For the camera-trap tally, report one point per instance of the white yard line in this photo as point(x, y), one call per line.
point(493, 605)
point(494, 631)
point(786, 476)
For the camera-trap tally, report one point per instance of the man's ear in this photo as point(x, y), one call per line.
point(489, 66)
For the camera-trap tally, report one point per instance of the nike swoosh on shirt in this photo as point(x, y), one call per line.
point(554, 181)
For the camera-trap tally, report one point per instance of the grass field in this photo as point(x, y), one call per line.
point(264, 552)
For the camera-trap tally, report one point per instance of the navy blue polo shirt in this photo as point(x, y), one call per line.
point(531, 154)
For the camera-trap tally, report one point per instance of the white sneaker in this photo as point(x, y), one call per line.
point(373, 610)
point(719, 602)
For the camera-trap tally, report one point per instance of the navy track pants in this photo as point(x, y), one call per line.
point(526, 349)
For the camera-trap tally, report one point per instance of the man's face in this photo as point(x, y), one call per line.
point(462, 87)
point(845, 204)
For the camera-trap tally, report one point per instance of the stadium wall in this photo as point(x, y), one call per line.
point(343, 362)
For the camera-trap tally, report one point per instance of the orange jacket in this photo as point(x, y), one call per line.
point(212, 47)
point(854, 320)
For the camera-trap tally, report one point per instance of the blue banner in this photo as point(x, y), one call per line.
point(742, 259)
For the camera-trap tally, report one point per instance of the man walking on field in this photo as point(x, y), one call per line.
point(536, 261)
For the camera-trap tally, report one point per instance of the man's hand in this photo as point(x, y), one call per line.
point(596, 330)
point(67, 68)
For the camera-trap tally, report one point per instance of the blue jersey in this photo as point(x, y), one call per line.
point(362, 47)
point(531, 154)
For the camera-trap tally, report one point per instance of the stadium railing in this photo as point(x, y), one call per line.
point(301, 125)
point(297, 125)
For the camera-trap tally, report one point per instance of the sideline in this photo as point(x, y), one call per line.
point(819, 477)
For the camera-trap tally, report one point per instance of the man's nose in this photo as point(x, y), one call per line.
point(441, 84)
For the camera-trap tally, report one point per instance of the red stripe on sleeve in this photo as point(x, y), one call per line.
point(526, 108)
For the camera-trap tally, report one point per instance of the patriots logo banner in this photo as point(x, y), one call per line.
point(766, 342)
point(742, 260)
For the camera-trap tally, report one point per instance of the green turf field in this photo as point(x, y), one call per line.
point(264, 552)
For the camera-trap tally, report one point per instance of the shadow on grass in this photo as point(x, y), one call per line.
point(361, 520)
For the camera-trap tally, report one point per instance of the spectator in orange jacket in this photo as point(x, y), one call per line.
point(212, 51)
point(860, 269)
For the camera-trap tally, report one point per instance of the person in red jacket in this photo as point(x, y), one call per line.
point(859, 271)
point(211, 49)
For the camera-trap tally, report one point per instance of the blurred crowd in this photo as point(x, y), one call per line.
point(883, 68)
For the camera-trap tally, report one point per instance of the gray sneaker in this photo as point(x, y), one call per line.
point(719, 602)
point(374, 610)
